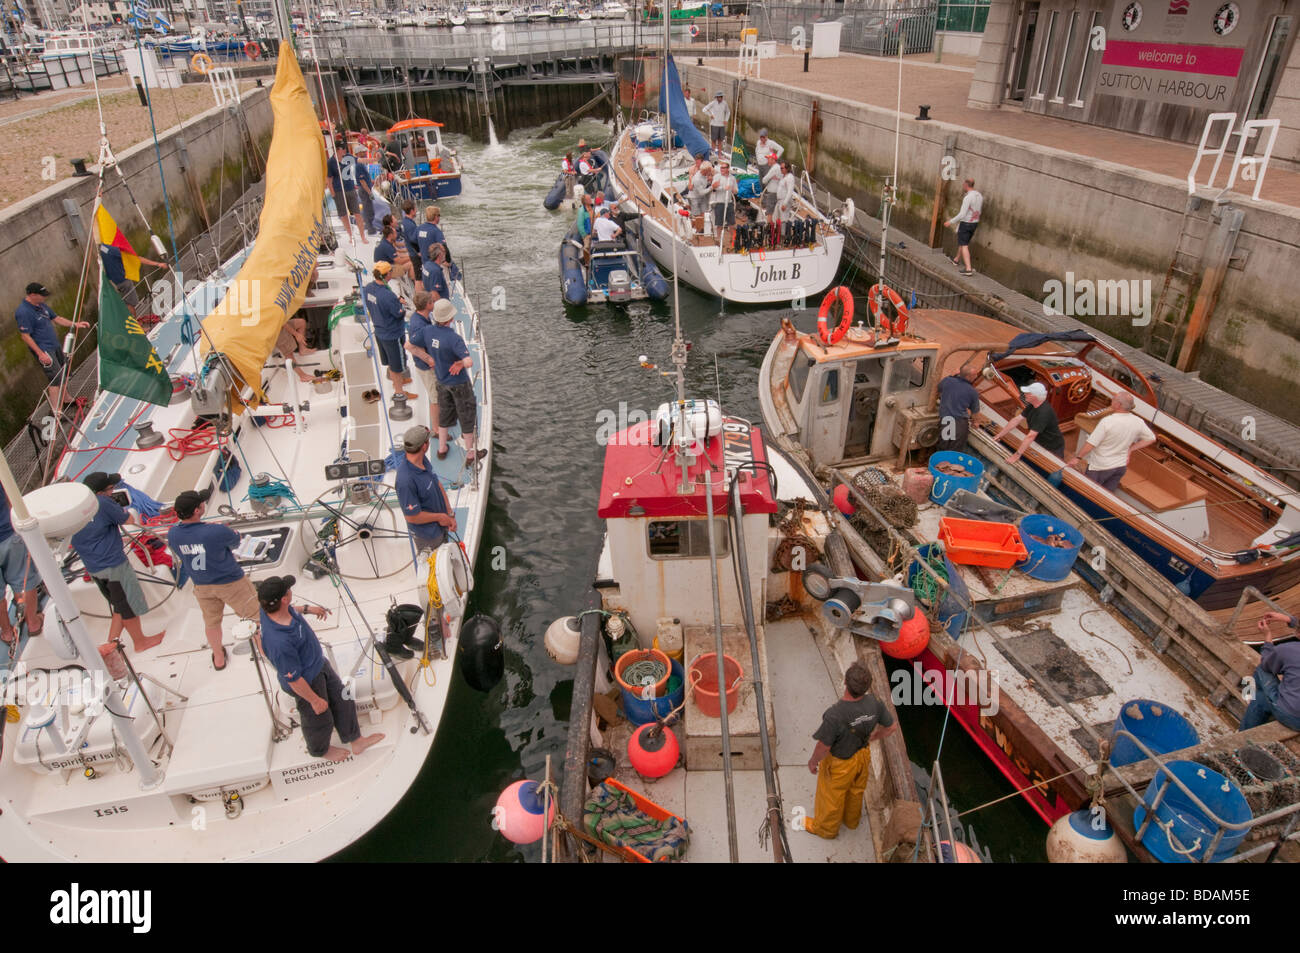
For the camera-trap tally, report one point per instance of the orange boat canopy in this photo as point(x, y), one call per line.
point(407, 124)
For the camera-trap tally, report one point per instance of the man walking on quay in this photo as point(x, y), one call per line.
point(967, 220)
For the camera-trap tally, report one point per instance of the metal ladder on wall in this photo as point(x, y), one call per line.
point(1181, 281)
point(483, 88)
point(1207, 238)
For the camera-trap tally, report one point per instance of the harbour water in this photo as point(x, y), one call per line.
point(562, 377)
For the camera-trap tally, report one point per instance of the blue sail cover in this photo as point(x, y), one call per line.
point(670, 94)
point(1021, 341)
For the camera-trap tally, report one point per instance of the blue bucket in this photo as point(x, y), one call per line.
point(1157, 725)
point(1048, 563)
point(1190, 823)
point(944, 485)
point(641, 712)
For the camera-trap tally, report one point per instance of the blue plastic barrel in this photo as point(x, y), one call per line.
point(1189, 822)
point(945, 485)
point(1157, 725)
point(1048, 563)
point(641, 712)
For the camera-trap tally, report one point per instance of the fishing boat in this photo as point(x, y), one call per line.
point(169, 760)
point(1048, 655)
point(1207, 520)
point(69, 56)
point(430, 169)
point(611, 272)
point(750, 263)
point(737, 669)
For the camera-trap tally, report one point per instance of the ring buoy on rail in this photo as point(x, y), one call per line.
point(252, 50)
point(201, 63)
point(844, 296)
point(899, 323)
point(695, 31)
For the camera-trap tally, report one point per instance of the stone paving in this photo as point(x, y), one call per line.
point(944, 87)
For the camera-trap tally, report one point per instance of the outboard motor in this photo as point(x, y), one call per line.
point(482, 654)
point(620, 286)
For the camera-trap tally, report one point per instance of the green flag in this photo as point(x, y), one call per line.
point(739, 158)
point(128, 364)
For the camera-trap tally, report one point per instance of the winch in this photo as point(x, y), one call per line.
point(260, 495)
point(876, 610)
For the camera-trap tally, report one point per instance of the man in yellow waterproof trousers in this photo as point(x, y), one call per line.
point(842, 758)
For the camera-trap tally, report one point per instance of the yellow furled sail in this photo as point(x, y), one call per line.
point(272, 284)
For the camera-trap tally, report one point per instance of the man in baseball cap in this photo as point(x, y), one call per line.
point(428, 514)
point(99, 544)
point(207, 550)
point(718, 113)
point(36, 323)
point(451, 363)
point(388, 321)
point(300, 664)
point(1040, 418)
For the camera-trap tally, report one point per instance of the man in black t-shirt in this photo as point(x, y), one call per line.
point(1040, 418)
point(842, 758)
point(959, 402)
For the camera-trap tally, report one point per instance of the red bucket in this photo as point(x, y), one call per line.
point(704, 683)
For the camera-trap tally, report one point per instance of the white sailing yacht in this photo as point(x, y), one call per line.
point(175, 761)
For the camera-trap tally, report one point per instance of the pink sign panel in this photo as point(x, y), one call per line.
point(1178, 57)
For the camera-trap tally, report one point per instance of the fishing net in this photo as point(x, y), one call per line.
point(612, 816)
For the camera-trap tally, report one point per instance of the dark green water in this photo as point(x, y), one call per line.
point(556, 375)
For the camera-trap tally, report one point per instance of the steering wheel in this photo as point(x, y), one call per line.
point(1079, 390)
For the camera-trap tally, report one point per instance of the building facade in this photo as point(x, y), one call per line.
point(1156, 67)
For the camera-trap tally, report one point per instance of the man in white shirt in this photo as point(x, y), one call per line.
point(606, 229)
point(785, 206)
point(1118, 435)
point(764, 150)
point(967, 220)
point(723, 198)
point(719, 112)
point(701, 186)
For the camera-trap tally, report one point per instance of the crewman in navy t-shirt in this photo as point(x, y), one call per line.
point(324, 705)
point(207, 550)
point(342, 185)
point(410, 232)
point(388, 323)
point(429, 516)
point(36, 327)
point(110, 256)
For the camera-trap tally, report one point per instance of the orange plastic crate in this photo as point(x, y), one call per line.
point(977, 543)
point(646, 806)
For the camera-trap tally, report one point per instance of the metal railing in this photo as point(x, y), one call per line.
point(30, 449)
point(869, 26)
point(1198, 851)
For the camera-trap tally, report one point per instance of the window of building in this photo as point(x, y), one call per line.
point(1046, 54)
point(1089, 54)
point(686, 539)
point(1059, 96)
point(962, 16)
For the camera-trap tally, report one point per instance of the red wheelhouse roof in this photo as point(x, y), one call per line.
point(630, 477)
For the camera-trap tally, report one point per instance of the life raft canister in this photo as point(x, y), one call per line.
point(844, 296)
point(252, 50)
point(899, 323)
point(201, 63)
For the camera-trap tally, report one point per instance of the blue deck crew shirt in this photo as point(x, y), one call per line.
point(418, 323)
point(205, 549)
point(1284, 660)
point(446, 347)
point(363, 174)
point(293, 649)
point(957, 396)
point(385, 312)
point(433, 279)
point(385, 251)
point(418, 491)
point(99, 542)
point(38, 321)
point(426, 235)
point(584, 222)
point(410, 228)
point(343, 176)
point(6, 525)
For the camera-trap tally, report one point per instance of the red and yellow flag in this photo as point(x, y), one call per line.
point(110, 234)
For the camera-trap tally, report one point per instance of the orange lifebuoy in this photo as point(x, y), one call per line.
point(252, 50)
point(899, 324)
point(201, 63)
point(844, 296)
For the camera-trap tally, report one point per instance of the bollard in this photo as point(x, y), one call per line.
point(805, 61)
